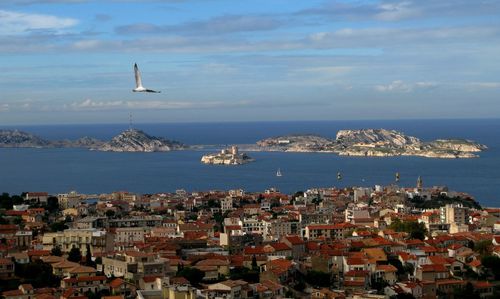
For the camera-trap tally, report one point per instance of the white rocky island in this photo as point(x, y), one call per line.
point(137, 141)
point(227, 157)
point(373, 143)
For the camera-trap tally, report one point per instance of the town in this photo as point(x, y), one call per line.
point(357, 242)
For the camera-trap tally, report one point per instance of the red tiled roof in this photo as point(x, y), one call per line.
point(387, 268)
point(342, 225)
point(115, 283)
point(13, 293)
point(280, 246)
point(148, 279)
point(294, 240)
point(433, 268)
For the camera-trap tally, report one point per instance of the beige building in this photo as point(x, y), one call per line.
point(135, 265)
point(455, 213)
point(98, 240)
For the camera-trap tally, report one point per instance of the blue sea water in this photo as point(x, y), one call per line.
point(62, 170)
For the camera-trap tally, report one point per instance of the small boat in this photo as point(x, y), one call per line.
point(278, 173)
point(339, 176)
point(397, 176)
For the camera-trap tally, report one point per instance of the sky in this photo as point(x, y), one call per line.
point(71, 61)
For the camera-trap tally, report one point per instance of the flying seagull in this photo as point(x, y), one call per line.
point(138, 82)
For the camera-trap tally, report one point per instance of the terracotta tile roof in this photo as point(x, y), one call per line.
point(386, 268)
point(5, 261)
point(482, 284)
point(117, 282)
point(179, 281)
point(213, 262)
point(13, 293)
point(450, 281)
point(357, 273)
point(149, 279)
point(344, 225)
point(433, 268)
point(475, 263)
point(280, 246)
point(294, 240)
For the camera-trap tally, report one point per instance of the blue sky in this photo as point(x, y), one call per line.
point(70, 61)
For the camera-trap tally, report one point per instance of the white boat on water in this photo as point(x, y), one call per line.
point(278, 173)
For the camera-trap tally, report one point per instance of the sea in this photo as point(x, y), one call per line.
point(61, 170)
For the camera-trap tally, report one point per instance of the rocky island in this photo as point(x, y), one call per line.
point(20, 139)
point(373, 143)
point(137, 141)
point(227, 157)
point(128, 141)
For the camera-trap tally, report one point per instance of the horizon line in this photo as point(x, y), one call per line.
point(252, 121)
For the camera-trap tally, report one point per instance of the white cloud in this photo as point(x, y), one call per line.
point(401, 86)
point(13, 23)
point(484, 85)
point(92, 105)
point(396, 11)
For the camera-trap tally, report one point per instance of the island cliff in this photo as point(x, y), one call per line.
point(127, 141)
point(137, 141)
point(373, 143)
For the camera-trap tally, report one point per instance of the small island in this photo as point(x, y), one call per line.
point(133, 140)
point(227, 157)
point(373, 143)
point(130, 140)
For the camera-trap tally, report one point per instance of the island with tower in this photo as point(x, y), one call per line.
point(227, 156)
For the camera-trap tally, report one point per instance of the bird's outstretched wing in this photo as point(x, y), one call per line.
point(138, 81)
point(153, 91)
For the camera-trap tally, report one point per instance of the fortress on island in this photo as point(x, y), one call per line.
point(228, 156)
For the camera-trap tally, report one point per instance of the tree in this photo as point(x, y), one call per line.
point(58, 226)
point(415, 229)
point(318, 278)
point(37, 273)
point(493, 263)
point(192, 274)
point(251, 276)
point(52, 204)
point(110, 213)
point(75, 255)
point(468, 292)
point(56, 251)
point(483, 247)
point(255, 267)
point(88, 258)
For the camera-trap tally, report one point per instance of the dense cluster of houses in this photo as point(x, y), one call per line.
point(321, 243)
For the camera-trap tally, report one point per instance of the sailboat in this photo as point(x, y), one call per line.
point(339, 176)
point(397, 176)
point(278, 173)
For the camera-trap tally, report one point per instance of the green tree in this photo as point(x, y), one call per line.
point(492, 263)
point(417, 230)
point(52, 204)
point(58, 226)
point(37, 273)
point(318, 279)
point(75, 255)
point(88, 258)
point(110, 213)
point(483, 247)
point(56, 251)
point(251, 276)
point(468, 292)
point(255, 267)
point(195, 276)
